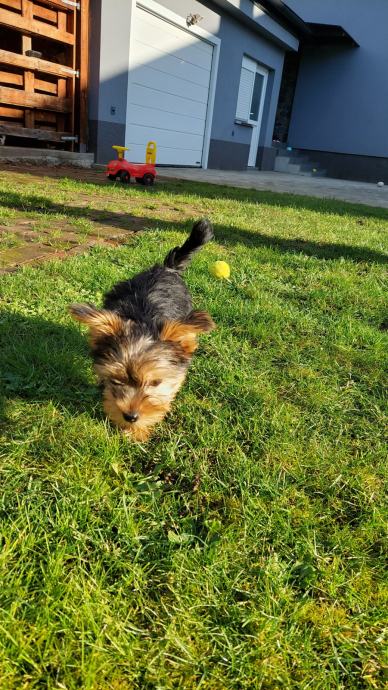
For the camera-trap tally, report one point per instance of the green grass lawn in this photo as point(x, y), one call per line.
point(243, 546)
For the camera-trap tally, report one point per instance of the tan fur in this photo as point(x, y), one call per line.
point(185, 333)
point(150, 402)
point(180, 333)
point(100, 321)
point(142, 381)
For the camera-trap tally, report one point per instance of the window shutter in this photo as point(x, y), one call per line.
point(245, 94)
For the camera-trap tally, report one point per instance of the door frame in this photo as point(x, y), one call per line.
point(167, 15)
point(256, 124)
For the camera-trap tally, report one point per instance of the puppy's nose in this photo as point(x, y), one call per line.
point(130, 416)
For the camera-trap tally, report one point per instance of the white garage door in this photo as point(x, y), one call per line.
point(168, 91)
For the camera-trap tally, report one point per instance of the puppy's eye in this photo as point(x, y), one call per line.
point(118, 383)
point(155, 382)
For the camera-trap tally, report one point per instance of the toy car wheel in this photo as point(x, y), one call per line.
point(124, 177)
point(112, 177)
point(148, 179)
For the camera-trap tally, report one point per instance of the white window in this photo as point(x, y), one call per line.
point(250, 101)
point(252, 83)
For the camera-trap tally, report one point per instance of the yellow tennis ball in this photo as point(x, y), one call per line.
point(220, 269)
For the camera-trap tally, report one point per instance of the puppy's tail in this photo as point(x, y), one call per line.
point(179, 257)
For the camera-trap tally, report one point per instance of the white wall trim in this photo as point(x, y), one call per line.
point(132, 7)
point(177, 19)
point(166, 14)
point(256, 134)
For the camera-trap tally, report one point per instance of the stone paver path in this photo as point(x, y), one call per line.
point(35, 228)
point(322, 187)
point(28, 237)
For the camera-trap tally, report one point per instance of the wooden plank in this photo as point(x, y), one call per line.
point(29, 118)
point(62, 93)
point(15, 4)
point(27, 9)
point(83, 75)
point(36, 64)
point(42, 134)
point(45, 127)
point(29, 81)
point(46, 86)
point(72, 22)
point(46, 116)
point(62, 88)
point(28, 77)
point(35, 100)
point(15, 125)
point(26, 43)
point(34, 27)
point(8, 111)
point(60, 122)
point(58, 4)
point(45, 13)
point(11, 78)
point(62, 21)
point(72, 26)
point(49, 12)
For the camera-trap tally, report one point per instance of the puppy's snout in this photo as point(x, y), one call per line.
point(131, 416)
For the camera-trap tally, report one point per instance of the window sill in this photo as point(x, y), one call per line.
point(243, 123)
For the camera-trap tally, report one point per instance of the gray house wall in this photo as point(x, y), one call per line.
point(252, 14)
point(230, 142)
point(341, 99)
point(108, 75)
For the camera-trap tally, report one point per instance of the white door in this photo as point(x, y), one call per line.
point(250, 102)
point(170, 71)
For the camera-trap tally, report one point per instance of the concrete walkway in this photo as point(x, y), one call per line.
point(322, 187)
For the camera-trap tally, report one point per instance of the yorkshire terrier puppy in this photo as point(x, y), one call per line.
point(143, 339)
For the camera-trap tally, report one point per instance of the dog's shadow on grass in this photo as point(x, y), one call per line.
point(44, 361)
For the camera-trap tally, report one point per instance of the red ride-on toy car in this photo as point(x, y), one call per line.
point(120, 169)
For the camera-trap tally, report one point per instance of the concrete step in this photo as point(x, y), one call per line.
point(289, 165)
point(310, 167)
point(54, 157)
point(306, 169)
point(293, 159)
point(282, 164)
point(310, 173)
point(283, 153)
point(298, 160)
point(297, 164)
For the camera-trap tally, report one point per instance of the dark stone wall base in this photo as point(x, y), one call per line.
point(266, 157)
point(286, 96)
point(346, 166)
point(102, 136)
point(226, 155)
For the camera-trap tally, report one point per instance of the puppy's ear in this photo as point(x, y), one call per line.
point(184, 333)
point(201, 321)
point(100, 321)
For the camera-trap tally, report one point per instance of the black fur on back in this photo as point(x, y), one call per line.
point(159, 294)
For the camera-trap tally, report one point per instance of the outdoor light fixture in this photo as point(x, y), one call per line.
point(192, 19)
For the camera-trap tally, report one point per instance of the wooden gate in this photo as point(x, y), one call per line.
point(44, 71)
